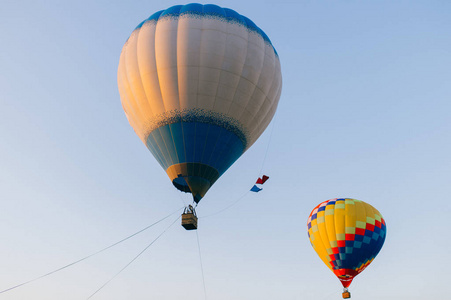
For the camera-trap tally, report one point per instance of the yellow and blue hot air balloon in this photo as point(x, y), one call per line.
point(347, 234)
point(199, 84)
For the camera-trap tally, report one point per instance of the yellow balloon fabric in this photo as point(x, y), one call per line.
point(347, 234)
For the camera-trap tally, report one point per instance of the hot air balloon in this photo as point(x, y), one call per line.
point(199, 84)
point(347, 234)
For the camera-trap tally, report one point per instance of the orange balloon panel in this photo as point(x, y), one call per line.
point(347, 234)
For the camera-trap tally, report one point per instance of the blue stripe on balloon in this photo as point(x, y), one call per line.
point(208, 10)
point(166, 136)
point(214, 132)
point(361, 253)
point(190, 139)
point(173, 11)
point(161, 147)
point(192, 7)
point(177, 135)
point(154, 17)
point(153, 148)
point(196, 142)
point(211, 9)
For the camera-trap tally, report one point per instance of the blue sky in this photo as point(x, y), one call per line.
point(364, 113)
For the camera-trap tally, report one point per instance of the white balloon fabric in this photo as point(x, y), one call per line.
point(199, 84)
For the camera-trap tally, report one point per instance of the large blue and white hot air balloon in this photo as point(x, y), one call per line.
point(199, 84)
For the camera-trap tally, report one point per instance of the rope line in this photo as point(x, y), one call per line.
point(201, 266)
point(129, 263)
point(181, 198)
point(258, 175)
point(91, 255)
point(269, 143)
point(227, 207)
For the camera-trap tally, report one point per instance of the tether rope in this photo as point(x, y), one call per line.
point(201, 266)
point(91, 255)
point(181, 199)
point(227, 207)
point(128, 264)
point(260, 172)
point(269, 143)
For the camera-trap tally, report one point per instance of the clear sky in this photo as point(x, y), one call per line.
point(364, 113)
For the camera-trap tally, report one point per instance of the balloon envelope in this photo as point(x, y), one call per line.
point(347, 234)
point(199, 84)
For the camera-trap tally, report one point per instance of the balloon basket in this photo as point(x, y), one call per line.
point(346, 294)
point(189, 218)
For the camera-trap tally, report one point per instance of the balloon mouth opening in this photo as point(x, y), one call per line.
point(194, 178)
point(346, 283)
point(346, 276)
point(181, 185)
point(195, 185)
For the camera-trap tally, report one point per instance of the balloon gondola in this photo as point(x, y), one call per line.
point(347, 234)
point(189, 218)
point(346, 293)
point(199, 84)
